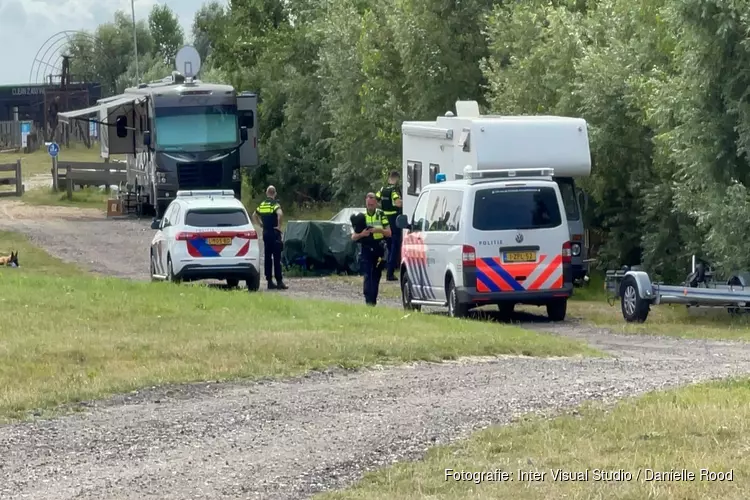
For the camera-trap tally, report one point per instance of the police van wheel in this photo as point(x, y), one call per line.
point(455, 308)
point(406, 295)
point(557, 309)
point(233, 283)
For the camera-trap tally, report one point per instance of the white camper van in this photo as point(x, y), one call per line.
point(467, 139)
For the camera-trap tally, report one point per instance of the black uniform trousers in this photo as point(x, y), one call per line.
point(272, 254)
point(371, 265)
point(394, 246)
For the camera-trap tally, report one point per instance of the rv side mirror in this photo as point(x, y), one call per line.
point(243, 134)
point(402, 222)
point(121, 123)
point(155, 224)
point(146, 138)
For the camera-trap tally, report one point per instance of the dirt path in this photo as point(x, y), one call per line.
point(120, 247)
point(289, 439)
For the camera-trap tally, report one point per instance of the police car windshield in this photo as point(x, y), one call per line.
point(216, 217)
point(502, 209)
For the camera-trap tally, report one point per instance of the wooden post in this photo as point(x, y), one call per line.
point(19, 179)
point(55, 185)
point(106, 165)
point(69, 182)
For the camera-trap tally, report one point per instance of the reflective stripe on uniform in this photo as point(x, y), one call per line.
point(377, 220)
point(391, 203)
point(267, 212)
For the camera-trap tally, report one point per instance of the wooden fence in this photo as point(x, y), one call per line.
point(16, 181)
point(78, 173)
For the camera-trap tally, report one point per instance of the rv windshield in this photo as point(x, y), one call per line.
point(196, 128)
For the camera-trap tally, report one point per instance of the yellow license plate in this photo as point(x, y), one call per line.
point(520, 257)
point(220, 241)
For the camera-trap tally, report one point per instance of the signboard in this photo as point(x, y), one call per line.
point(21, 91)
point(25, 131)
point(53, 149)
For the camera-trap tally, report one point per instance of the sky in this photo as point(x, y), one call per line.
point(25, 26)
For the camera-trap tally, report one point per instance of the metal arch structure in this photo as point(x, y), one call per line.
point(51, 68)
point(47, 62)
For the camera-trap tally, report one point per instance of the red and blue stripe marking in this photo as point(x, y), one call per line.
point(495, 276)
point(414, 255)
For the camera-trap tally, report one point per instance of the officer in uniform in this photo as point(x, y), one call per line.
point(372, 245)
point(391, 203)
point(268, 215)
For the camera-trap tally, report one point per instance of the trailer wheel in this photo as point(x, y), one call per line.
point(634, 308)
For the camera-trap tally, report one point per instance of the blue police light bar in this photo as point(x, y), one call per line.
point(440, 177)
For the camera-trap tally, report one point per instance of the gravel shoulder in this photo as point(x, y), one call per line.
point(292, 438)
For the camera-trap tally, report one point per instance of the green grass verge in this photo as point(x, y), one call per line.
point(668, 320)
point(699, 427)
point(73, 337)
point(85, 198)
point(40, 162)
point(33, 261)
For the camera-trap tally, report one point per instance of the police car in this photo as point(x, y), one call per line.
point(206, 235)
point(495, 237)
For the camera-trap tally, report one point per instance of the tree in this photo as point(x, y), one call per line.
point(105, 55)
point(208, 26)
point(166, 32)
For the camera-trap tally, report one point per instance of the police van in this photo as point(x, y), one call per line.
point(495, 237)
point(451, 142)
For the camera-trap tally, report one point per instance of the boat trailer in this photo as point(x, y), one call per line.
point(637, 293)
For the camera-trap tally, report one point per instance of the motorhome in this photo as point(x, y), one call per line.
point(178, 133)
point(454, 142)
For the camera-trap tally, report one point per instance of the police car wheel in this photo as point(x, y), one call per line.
point(152, 267)
point(253, 284)
point(170, 271)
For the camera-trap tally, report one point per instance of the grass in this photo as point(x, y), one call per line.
point(671, 320)
point(700, 427)
point(85, 198)
point(67, 337)
point(33, 261)
point(668, 320)
point(40, 162)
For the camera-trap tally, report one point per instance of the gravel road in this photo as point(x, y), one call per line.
point(289, 439)
point(120, 247)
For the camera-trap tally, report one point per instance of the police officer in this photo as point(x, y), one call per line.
point(391, 203)
point(268, 215)
point(371, 240)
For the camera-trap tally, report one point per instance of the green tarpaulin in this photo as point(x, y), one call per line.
point(321, 246)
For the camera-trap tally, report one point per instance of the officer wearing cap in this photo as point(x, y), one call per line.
point(372, 244)
point(268, 215)
point(391, 203)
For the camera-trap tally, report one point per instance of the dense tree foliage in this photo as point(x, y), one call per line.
point(662, 84)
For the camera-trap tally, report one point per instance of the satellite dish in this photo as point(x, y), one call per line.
point(188, 61)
